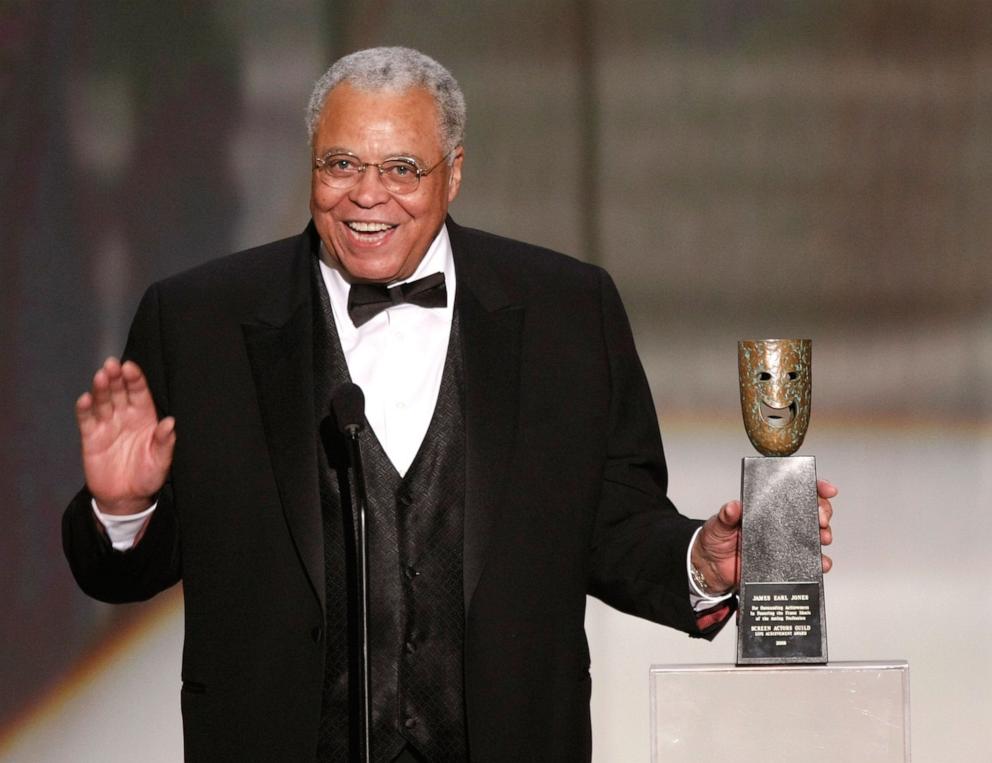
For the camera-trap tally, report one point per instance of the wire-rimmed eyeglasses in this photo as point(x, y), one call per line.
point(399, 174)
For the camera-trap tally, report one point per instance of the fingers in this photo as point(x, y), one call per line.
point(103, 407)
point(825, 511)
point(826, 536)
point(825, 489)
point(136, 384)
point(115, 382)
point(115, 386)
point(84, 413)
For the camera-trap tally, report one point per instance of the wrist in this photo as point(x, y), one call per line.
point(705, 577)
point(699, 581)
point(123, 507)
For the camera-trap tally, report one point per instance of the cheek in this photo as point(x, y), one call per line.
point(429, 207)
point(412, 207)
point(323, 199)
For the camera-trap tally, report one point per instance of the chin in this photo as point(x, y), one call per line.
point(376, 272)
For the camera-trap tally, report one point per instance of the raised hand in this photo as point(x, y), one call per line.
point(715, 553)
point(127, 451)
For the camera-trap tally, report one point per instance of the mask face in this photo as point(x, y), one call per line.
point(776, 388)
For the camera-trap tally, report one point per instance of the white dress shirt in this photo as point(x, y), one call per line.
point(397, 358)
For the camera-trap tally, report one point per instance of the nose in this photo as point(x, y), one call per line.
point(369, 190)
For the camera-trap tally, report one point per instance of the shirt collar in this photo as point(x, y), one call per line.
point(437, 259)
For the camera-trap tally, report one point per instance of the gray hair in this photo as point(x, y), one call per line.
point(395, 69)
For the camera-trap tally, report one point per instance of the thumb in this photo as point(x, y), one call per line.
point(164, 439)
point(728, 519)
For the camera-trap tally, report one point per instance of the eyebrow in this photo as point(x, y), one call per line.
point(396, 155)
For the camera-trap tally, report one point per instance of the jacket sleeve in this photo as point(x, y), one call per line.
point(640, 540)
point(154, 563)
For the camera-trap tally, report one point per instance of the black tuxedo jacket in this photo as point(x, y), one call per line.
point(566, 496)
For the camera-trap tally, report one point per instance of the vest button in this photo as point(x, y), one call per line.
point(410, 722)
point(315, 633)
point(404, 499)
point(410, 573)
point(411, 647)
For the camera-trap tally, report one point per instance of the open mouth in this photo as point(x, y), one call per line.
point(778, 417)
point(369, 231)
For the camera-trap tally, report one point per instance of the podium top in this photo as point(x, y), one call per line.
point(860, 665)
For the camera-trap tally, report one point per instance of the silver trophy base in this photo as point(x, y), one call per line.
point(782, 618)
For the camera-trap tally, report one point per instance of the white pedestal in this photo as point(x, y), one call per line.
point(844, 711)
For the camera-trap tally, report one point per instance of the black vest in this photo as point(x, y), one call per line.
point(416, 611)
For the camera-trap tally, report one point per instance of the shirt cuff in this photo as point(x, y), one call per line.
point(699, 601)
point(122, 529)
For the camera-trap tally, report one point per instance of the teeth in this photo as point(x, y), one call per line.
point(362, 227)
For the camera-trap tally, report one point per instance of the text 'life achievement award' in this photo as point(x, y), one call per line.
point(782, 619)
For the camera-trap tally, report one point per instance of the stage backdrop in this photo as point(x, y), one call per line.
point(744, 169)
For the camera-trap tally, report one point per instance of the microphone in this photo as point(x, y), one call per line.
point(348, 406)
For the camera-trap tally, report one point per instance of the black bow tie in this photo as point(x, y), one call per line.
point(367, 300)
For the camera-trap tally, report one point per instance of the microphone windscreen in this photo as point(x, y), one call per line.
point(348, 405)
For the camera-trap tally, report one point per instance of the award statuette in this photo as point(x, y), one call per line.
point(782, 619)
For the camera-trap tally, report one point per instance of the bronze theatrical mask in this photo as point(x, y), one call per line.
point(776, 387)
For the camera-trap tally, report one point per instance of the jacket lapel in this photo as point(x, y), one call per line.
point(279, 343)
point(490, 334)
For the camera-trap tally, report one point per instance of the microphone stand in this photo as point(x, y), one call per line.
point(348, 407)
point(362, 576)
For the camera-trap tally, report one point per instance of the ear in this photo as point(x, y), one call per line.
point(455, 174)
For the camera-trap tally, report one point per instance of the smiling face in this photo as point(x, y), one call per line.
point(776, 389)
point(375, 235)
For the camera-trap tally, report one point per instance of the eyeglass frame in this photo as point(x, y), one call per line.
point(320, 161)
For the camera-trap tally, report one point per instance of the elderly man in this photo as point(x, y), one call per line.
point(514, 463)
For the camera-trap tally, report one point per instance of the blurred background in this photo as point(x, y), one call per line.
point(744, 169)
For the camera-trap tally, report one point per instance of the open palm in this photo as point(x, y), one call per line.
point(126, 450)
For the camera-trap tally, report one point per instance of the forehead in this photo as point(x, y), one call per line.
point(378, 123)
